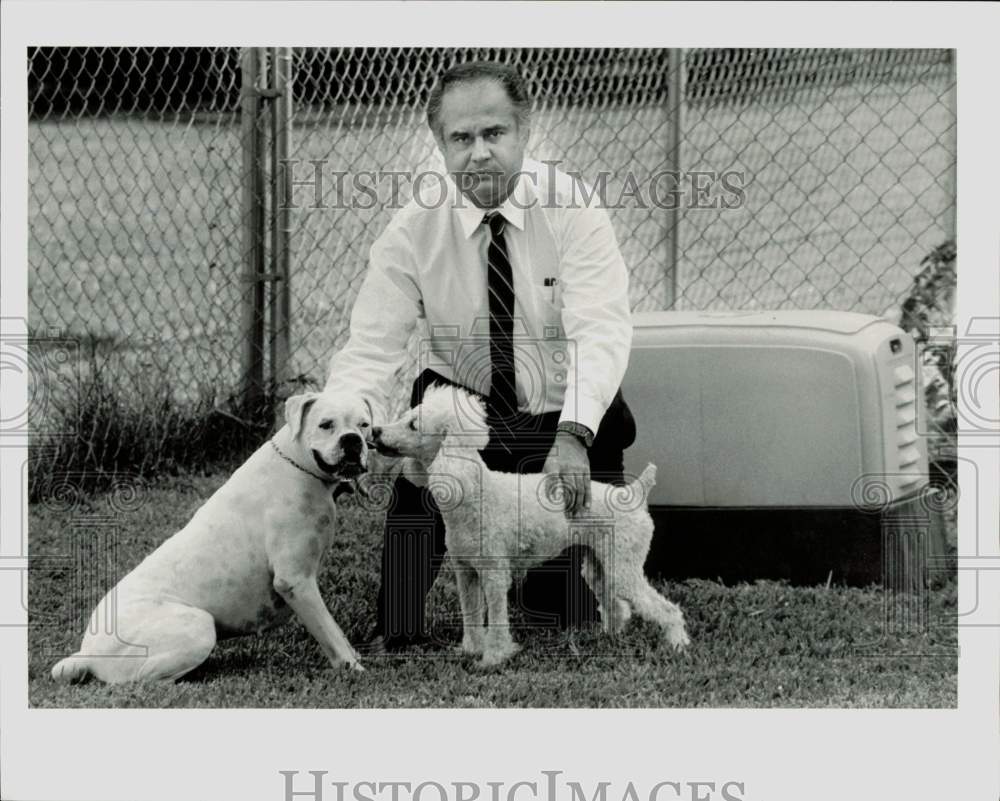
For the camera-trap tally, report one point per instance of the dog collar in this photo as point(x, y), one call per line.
point(340, 486)
point(291, 461)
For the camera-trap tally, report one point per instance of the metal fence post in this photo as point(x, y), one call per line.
point(951, 176)
point(675, 134)
point(252, 223)
point(281, 225)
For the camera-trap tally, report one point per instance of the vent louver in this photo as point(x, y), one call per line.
point(906, 426)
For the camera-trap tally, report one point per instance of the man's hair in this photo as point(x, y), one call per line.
point(470, 71)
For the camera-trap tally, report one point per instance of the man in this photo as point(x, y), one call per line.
point(525, 295)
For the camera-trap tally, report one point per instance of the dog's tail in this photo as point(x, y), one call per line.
point(647, 478)
point(71, 670)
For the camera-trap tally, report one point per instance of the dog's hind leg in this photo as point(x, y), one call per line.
point(151, 641)
point(652, 606)
point(470, 596)
point(614, 610)
point(178, 638)
point(180, 648)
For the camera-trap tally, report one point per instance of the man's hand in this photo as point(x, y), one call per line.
point(568, 466)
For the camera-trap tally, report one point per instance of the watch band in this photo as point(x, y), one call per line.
point(584, 434)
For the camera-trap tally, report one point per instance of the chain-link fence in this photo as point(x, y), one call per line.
point(134, 286)
point(134, 213)
point(809, 179)
point(840, 166)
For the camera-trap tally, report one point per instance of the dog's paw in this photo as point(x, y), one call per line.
point(615, 621)
point(498, 656)
point(352, 665)
point(470, 647)
point(70, 671)
point(678, 640)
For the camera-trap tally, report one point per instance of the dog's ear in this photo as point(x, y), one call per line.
point(470, 411)
point(478, 410)
point(296, 408)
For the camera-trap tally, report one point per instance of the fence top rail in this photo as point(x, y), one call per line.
point(76, 81)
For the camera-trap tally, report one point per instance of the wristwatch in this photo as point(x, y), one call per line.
point(578, 430)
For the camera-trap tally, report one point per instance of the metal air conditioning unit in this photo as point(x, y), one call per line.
point(787, 443)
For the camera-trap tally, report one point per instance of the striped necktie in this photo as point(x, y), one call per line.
point(502, 399)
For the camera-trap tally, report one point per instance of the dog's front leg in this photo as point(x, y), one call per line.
point(470, 596)
point(499, 645)
point(302, 595)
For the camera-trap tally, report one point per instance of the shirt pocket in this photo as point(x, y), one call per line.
point(547, 300)
point(551, 291)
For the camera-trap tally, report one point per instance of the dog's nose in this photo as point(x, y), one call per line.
point(351, 443)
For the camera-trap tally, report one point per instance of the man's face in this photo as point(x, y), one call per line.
point(482, 144)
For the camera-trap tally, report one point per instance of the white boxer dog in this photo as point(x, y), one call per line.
point(246, 560)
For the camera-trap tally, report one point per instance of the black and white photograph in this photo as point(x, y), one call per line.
point(731, 260)
point(386, 375)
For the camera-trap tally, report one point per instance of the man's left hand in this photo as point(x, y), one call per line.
point(568, 465)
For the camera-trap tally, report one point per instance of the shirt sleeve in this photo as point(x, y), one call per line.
point(385, 312)
point(596, 315)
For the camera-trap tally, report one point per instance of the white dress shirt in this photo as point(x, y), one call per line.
point(572, 322)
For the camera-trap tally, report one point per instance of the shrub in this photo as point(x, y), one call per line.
point(930, 304)
point(119, 429)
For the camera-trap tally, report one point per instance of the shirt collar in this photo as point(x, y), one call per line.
point(512, 209)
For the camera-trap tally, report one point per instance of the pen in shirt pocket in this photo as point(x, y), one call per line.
point(551, 281)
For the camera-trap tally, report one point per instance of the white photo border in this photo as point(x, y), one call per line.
point(776, 754)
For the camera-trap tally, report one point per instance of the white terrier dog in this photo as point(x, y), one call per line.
point(498, 525)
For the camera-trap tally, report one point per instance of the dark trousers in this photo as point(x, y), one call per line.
point(414, 539)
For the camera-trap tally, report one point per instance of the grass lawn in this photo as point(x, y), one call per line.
point(753, 645)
